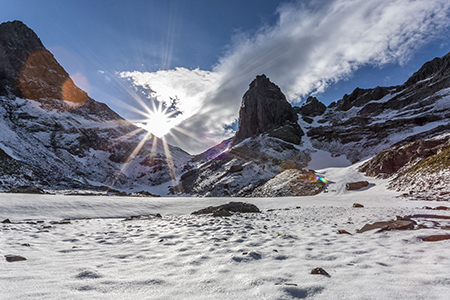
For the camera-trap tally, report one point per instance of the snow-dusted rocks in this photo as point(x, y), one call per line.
point(421, 167)
point(351, 186)
point(53, 135)
point(228, 209)
point(291, 182)
point(312, 107)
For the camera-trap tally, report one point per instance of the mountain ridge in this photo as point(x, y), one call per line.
point(56, 136)
point(53, 135)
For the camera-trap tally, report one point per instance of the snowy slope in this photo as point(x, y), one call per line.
point(254, 256)
point(71, 149)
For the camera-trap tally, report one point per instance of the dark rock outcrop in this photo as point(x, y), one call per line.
point(29, 70)
point(312, 107)
point(13, 258)
point(391, 160)
point(27, 189)
point(228, 209)
point(291, 133)
point(436, 238)
point(402, 224)
point(359, 97)
point(264, 108)
point(319, 271)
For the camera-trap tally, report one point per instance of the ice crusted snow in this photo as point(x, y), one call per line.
point(270, 255)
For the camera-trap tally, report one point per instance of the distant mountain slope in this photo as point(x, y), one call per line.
point(358, 126)
point(54, 135)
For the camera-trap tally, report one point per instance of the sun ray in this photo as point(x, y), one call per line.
point(170, 163)
point(133, 154)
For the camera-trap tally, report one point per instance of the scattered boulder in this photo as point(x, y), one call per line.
point(351, 186)
point(436, 238)
point(357, 205)
point(228, 209)
point(319, 271)
point(441, 208)
point(403, 224)
point(27, 189)
point(13, 258)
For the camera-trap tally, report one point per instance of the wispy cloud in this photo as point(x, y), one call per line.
point(312, 45)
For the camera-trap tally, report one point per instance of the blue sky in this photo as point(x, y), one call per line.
point(207, 52)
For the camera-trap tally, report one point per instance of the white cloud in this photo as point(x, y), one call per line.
point(313, 45)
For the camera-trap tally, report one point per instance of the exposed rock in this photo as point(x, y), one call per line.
point(351, 186)
point(357, 205)
point(236, 168)
point(13, 258)
point(264, 108)
point(391, 160)
point(291, 133)
point(151, 217)
point(6, 221)
point(342, 231)
point(360, 97)
point(312, 107)
point(291, 182)
point(26, 189)
point(231, 207)
point(319, 271)
point(88, 274)
point(441, 208)
point(426, 216)
point(389, 225)
point(436, 238)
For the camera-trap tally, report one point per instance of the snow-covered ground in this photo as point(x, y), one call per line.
point(270, 255)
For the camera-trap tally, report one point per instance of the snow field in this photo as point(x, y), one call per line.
point(245, 256)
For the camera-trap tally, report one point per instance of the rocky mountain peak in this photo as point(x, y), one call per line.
point(438, 67)
point(264, 108)
point(29, 70)
point(312, 107)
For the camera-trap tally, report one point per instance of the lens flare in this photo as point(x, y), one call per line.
point(320, 178)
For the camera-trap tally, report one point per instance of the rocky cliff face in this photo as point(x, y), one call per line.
point(265, 108)
point(267, 143)
point(55, 136)
point(358, 126)
point(420, 168)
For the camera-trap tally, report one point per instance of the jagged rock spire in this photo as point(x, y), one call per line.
point(264, 108)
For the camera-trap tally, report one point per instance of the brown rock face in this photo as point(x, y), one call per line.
point(264, 108)
point(29, 70)
point(389, 161)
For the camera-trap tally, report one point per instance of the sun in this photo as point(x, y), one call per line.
point(158, 123)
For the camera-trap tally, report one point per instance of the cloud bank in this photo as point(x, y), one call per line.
point(312, 45)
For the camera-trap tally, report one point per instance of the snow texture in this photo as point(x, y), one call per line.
point(98, 255)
